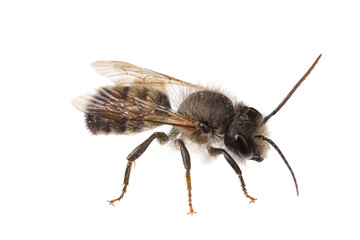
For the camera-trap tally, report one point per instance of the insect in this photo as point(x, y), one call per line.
point(139, 100)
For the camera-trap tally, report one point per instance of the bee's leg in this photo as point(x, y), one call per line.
point(187, 164)
point(231, 161)
point(135, 154)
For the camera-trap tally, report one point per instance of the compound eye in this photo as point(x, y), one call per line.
point(243, 147)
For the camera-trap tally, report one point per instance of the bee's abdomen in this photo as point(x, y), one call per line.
point(112, 109)
point(101, 125)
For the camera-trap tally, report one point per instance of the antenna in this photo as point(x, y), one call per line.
point(266, 118)
point(283, 158)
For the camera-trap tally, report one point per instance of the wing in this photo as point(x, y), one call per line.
point(123, 73)
point(132, 104)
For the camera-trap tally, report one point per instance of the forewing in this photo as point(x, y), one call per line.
point(109, 102)
point(125, 73)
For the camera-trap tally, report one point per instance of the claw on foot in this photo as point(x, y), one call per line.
point(252, 200)
point(111, 202)
point(191, 210)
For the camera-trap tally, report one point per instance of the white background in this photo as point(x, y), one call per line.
point(56, 177)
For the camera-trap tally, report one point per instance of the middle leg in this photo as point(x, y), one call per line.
point(187, 164)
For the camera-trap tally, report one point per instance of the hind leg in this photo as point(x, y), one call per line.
point(135, 154)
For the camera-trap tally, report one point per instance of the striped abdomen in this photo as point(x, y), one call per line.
point(125, 109)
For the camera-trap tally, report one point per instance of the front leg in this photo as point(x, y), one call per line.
point(231, 161)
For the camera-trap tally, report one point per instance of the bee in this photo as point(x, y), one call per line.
point(139, 100)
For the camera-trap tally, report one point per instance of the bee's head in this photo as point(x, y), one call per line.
point(241, 138)
point(246, 136)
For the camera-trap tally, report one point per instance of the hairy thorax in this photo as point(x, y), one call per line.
point(212, 110)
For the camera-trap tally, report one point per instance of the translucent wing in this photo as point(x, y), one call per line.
point(131, 104)
point(123, 73)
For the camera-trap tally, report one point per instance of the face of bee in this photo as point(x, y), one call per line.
point(240, 137)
